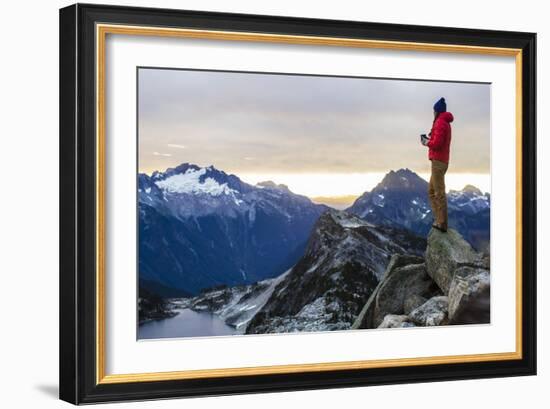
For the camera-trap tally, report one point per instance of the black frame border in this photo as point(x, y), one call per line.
point(77, 281)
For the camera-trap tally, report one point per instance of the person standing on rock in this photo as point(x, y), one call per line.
point(439, 144)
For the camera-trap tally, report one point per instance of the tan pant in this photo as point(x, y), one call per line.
point(436, 192)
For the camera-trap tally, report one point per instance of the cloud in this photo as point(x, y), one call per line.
point(255, 123)
point(161, 154)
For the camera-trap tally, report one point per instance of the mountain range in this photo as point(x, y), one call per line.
point(200, 228)
point(401, 200)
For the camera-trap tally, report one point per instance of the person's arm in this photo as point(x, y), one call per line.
point(436, 140)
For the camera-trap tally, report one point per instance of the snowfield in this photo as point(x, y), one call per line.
point(190, 183)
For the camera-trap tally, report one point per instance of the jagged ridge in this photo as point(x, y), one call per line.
point(343, 262)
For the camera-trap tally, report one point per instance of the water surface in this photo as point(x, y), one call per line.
point(187, 323)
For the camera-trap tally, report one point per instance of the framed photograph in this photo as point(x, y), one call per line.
point(258, 203)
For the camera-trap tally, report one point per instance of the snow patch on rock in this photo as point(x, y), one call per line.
point(189, 182)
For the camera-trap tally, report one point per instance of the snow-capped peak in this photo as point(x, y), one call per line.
point(191, 182)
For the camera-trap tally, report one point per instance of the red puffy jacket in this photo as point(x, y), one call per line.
point(440, 137)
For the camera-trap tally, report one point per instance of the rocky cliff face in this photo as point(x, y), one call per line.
point(344, 260)
point(450, 285)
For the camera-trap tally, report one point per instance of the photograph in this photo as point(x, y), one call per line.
point(276, 203)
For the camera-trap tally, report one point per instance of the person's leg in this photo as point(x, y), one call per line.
point(444, 213)
point(431, 192)
point(440, 197)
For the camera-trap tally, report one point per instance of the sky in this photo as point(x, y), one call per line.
point(320, 135)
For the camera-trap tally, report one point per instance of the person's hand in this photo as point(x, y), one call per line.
point(424, 140)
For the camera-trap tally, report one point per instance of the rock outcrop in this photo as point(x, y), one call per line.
point(446, 252)
point(405, 278)
point(413, 302)
point(432, 312)
point(396, 321)
point(470, 296)
point(450, 285)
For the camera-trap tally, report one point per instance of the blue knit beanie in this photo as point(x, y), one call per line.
point(440, 106)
